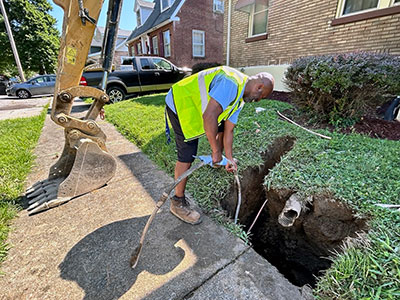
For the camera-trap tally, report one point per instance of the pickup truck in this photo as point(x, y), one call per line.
point(136, 75)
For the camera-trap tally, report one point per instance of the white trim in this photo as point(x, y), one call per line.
point(150, 30)
point(170, 2)
point(171, 19)
point(228, 37)
point(203, 42)
point(177, 9)
point(116, 48)
point(169, 37)
point(140, 15)
point(152, 44)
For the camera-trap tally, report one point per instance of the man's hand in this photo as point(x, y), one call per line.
point(231, 166)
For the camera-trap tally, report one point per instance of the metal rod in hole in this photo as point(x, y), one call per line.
point(239, 197)
point(251, 226)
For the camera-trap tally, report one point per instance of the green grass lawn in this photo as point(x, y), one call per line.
point(18, 140)
point(355, 169)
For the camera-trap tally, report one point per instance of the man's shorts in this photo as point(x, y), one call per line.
point(186, 150)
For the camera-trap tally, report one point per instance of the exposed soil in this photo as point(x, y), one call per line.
point(300, 252)
point(372, 124)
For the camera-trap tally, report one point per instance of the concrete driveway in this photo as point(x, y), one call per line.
point(13, 107)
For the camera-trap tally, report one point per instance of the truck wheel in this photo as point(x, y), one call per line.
point(23, 94)
point(116, 94)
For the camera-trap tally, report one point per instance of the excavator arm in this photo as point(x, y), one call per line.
point(85, 164)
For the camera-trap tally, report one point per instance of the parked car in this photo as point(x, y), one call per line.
point(39, 85)
point(4, 80)
point(136, 75)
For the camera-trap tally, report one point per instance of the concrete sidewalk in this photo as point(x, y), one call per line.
point(81, 250)
point(11, 108)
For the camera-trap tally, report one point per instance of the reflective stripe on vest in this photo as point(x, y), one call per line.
point(191, 99)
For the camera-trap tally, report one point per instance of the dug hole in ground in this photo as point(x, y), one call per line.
point(300, 251)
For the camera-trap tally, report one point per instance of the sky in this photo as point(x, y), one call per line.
point(127, 21)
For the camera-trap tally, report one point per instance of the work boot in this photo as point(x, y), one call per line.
point(180, 207)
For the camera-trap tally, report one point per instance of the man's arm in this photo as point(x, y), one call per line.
point(228, 142)
point(210, 121)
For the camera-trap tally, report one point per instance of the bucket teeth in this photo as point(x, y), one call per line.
point(46, 203)
point(36, 185)
point(92, 168)
point(46, 188)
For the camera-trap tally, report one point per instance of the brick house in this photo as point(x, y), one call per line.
point(120, 47)
point(270, 34)
point(185, 32)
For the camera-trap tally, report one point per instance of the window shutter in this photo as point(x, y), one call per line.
point(161, 49)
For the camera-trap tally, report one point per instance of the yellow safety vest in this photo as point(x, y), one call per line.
point(191, 98)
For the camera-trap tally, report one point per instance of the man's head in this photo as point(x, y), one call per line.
point(258, 87)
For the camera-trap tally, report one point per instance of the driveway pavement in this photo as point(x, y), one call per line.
point(13, 107)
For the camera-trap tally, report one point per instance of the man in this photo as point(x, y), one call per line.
point(209, 103)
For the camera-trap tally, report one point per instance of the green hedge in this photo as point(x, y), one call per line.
point(343, 87)
point(202, 66)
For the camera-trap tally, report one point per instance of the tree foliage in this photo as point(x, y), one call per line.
point(36, 37)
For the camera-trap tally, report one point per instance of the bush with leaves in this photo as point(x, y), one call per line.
point(343, 87)
point(202, 66)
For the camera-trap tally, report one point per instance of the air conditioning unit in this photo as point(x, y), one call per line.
point(218, 6)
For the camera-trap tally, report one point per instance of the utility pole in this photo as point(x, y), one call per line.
point(10, 36)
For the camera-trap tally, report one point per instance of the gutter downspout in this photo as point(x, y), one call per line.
point(228, 38)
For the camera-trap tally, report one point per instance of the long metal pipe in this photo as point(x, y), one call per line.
point(10, 36)
point(228, 38)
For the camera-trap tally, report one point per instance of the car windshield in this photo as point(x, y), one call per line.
point(162, 64)
point(36, 80)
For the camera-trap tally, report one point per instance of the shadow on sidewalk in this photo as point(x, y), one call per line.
point(99, 263)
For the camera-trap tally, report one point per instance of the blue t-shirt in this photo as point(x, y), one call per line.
point(223, 89)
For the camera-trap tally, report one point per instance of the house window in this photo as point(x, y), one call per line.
point(167, 44)
point(258, 19)
point(139, 49)
point(352, 6)
point(139, 21)
point(166, 4)
point(218, 6)
point(198, 43)
point(154, 41)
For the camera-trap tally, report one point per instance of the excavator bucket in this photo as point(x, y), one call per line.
point(91, 169)
point(85, 164)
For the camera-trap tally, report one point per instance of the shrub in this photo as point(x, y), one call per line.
point(202, 66)
point(340, 87)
